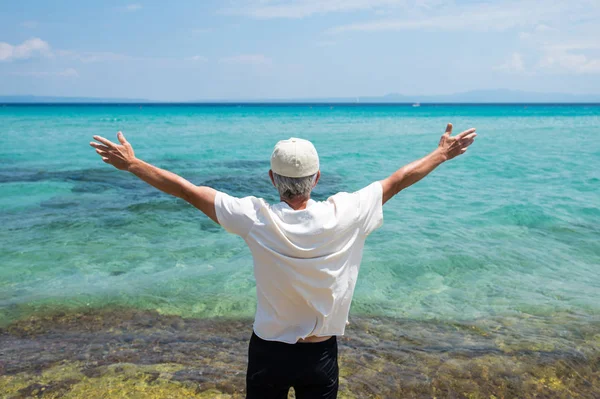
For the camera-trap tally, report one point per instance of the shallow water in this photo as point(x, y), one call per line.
point(491, 263)
point(123, 353)
point(510, 228)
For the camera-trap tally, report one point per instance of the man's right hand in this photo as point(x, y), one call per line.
point(451, 147)
point(122, 157)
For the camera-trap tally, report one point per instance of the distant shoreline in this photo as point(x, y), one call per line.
point(486, 96)
point(288, 104)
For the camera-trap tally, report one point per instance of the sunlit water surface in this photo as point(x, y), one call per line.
point(510, 228)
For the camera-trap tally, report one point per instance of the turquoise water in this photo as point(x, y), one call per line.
point(512, 228)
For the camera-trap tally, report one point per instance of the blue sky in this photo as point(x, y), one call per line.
point(248, 49)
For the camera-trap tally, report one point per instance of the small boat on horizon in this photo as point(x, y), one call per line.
point(416, 105)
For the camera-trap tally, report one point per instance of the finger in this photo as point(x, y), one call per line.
point(467, 139)
point(121, 138)
point(448, 131)
point(466, 143)
point(99, 146)
point(102, 153)
point(105, 141)
point(105, 159)
point(470, 136)
point(463, 150)
point(465, 133)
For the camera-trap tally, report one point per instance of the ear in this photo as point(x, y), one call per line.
point(271, 176)
point(317, 179)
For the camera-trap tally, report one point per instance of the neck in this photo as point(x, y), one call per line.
point(297, 203)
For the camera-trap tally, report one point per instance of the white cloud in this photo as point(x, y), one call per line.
point(66, 73)
point(543, 28)
point(262, 9)
point(197, 58)
point(567, 48)
point(90, 57)
point(524, 35)
point(474, 18)
point(29, 24)
point(430, 4)
point(34, 47)
point(94, 56)
point(563, 58)
point(514, 64)
point(131, 7)
point(481, 16)
point(538, 31)
point(574, 45)
point(37, 47)
point(69, 72)
point(248, 59)
point(410, 9)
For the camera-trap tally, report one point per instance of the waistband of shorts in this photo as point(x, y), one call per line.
point(305, 345)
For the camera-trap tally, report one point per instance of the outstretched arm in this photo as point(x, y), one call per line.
point(122, 157)
point(448, 148)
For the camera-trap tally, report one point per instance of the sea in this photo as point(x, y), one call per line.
point(504, 239)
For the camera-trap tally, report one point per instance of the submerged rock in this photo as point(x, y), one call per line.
point(127, 353)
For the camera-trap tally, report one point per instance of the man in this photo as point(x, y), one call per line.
point(306, 255)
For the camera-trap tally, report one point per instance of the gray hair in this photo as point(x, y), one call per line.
point(292, 187)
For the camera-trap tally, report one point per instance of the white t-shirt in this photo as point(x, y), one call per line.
point(306, 261)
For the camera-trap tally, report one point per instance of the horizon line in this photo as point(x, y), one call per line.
point(292, 102)
point(486, 95)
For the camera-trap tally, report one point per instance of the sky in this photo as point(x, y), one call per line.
point(251, 49)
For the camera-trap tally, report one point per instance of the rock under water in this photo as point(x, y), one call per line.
point(127, 353)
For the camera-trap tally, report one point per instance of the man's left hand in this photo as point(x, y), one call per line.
point(119, 156)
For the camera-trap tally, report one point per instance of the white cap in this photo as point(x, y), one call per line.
point(295, 158)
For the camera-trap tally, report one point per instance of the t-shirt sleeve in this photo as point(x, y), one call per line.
point(236, 215)
point(370, 207)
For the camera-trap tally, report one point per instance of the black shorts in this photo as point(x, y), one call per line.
point(274, 367)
